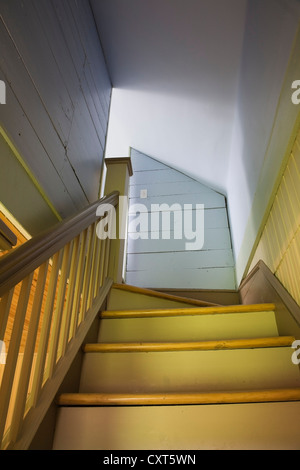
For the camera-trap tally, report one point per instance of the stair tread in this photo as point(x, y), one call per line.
point(135, 399)
point(138, 313)
point(265, 342)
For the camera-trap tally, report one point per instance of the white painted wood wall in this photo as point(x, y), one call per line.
point(58, 96)
point(165, 263)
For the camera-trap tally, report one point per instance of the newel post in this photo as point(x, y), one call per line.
point(119, 170)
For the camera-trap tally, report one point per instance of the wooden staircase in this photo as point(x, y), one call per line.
point(169, 373)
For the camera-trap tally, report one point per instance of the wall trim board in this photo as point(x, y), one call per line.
point(29, 172)
point(275, 159)
point(262, 286)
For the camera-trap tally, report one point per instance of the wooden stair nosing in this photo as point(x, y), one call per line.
point(194, 398)
point(267, 342)
point(171, 312)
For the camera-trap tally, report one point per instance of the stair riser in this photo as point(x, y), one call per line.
point(122, 300)
point(270, 426)
point(183, 371)
point(189, 328)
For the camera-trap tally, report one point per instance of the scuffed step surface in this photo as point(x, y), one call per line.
point(189, 328)
point(188, 370)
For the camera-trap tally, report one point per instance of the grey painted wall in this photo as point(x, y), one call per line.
point(152, 260)
point(58, 97)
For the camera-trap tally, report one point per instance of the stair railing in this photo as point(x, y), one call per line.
point(47, 287)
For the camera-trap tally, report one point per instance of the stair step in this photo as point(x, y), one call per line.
point(192, 398)
point(122, 294)
point(243, 426)
point(190, 326)
point(166, 371)
point(247, 343)
point(192, 370)
point(171, 312)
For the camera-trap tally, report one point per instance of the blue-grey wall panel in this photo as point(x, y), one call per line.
point(216, 218)
point(214, 239)
point(210, 278)
point(58, 96)
point(158, 176)
point(178, 187)
point(158, 256)
point(189, 259)
point(211, 201)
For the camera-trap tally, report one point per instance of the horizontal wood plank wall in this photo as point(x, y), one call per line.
point(279, 245)
point(58, 96)
point(165, 263)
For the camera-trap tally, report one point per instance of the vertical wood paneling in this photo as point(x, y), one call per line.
point(279, 245)
point(154, 260)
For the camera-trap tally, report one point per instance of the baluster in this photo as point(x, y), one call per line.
point(13, 352)
point(97, 268)
point(45, 331)
point(70, 296)
point(54, 337)
point(101, 263)
point(92, 288)
point(108, 254)
point(29, 352)
point(87, 274)
point(78, 284)
point(4, 311)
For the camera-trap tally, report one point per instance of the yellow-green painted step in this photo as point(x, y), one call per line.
point(189, 370)
point(187, 328)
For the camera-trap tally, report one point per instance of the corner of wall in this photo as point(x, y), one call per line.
point(284, 130)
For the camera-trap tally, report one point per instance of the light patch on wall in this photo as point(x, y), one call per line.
point(187, 134)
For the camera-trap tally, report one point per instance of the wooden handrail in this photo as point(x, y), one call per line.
point(16, 265)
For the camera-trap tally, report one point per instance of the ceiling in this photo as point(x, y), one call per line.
point(174, 67)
